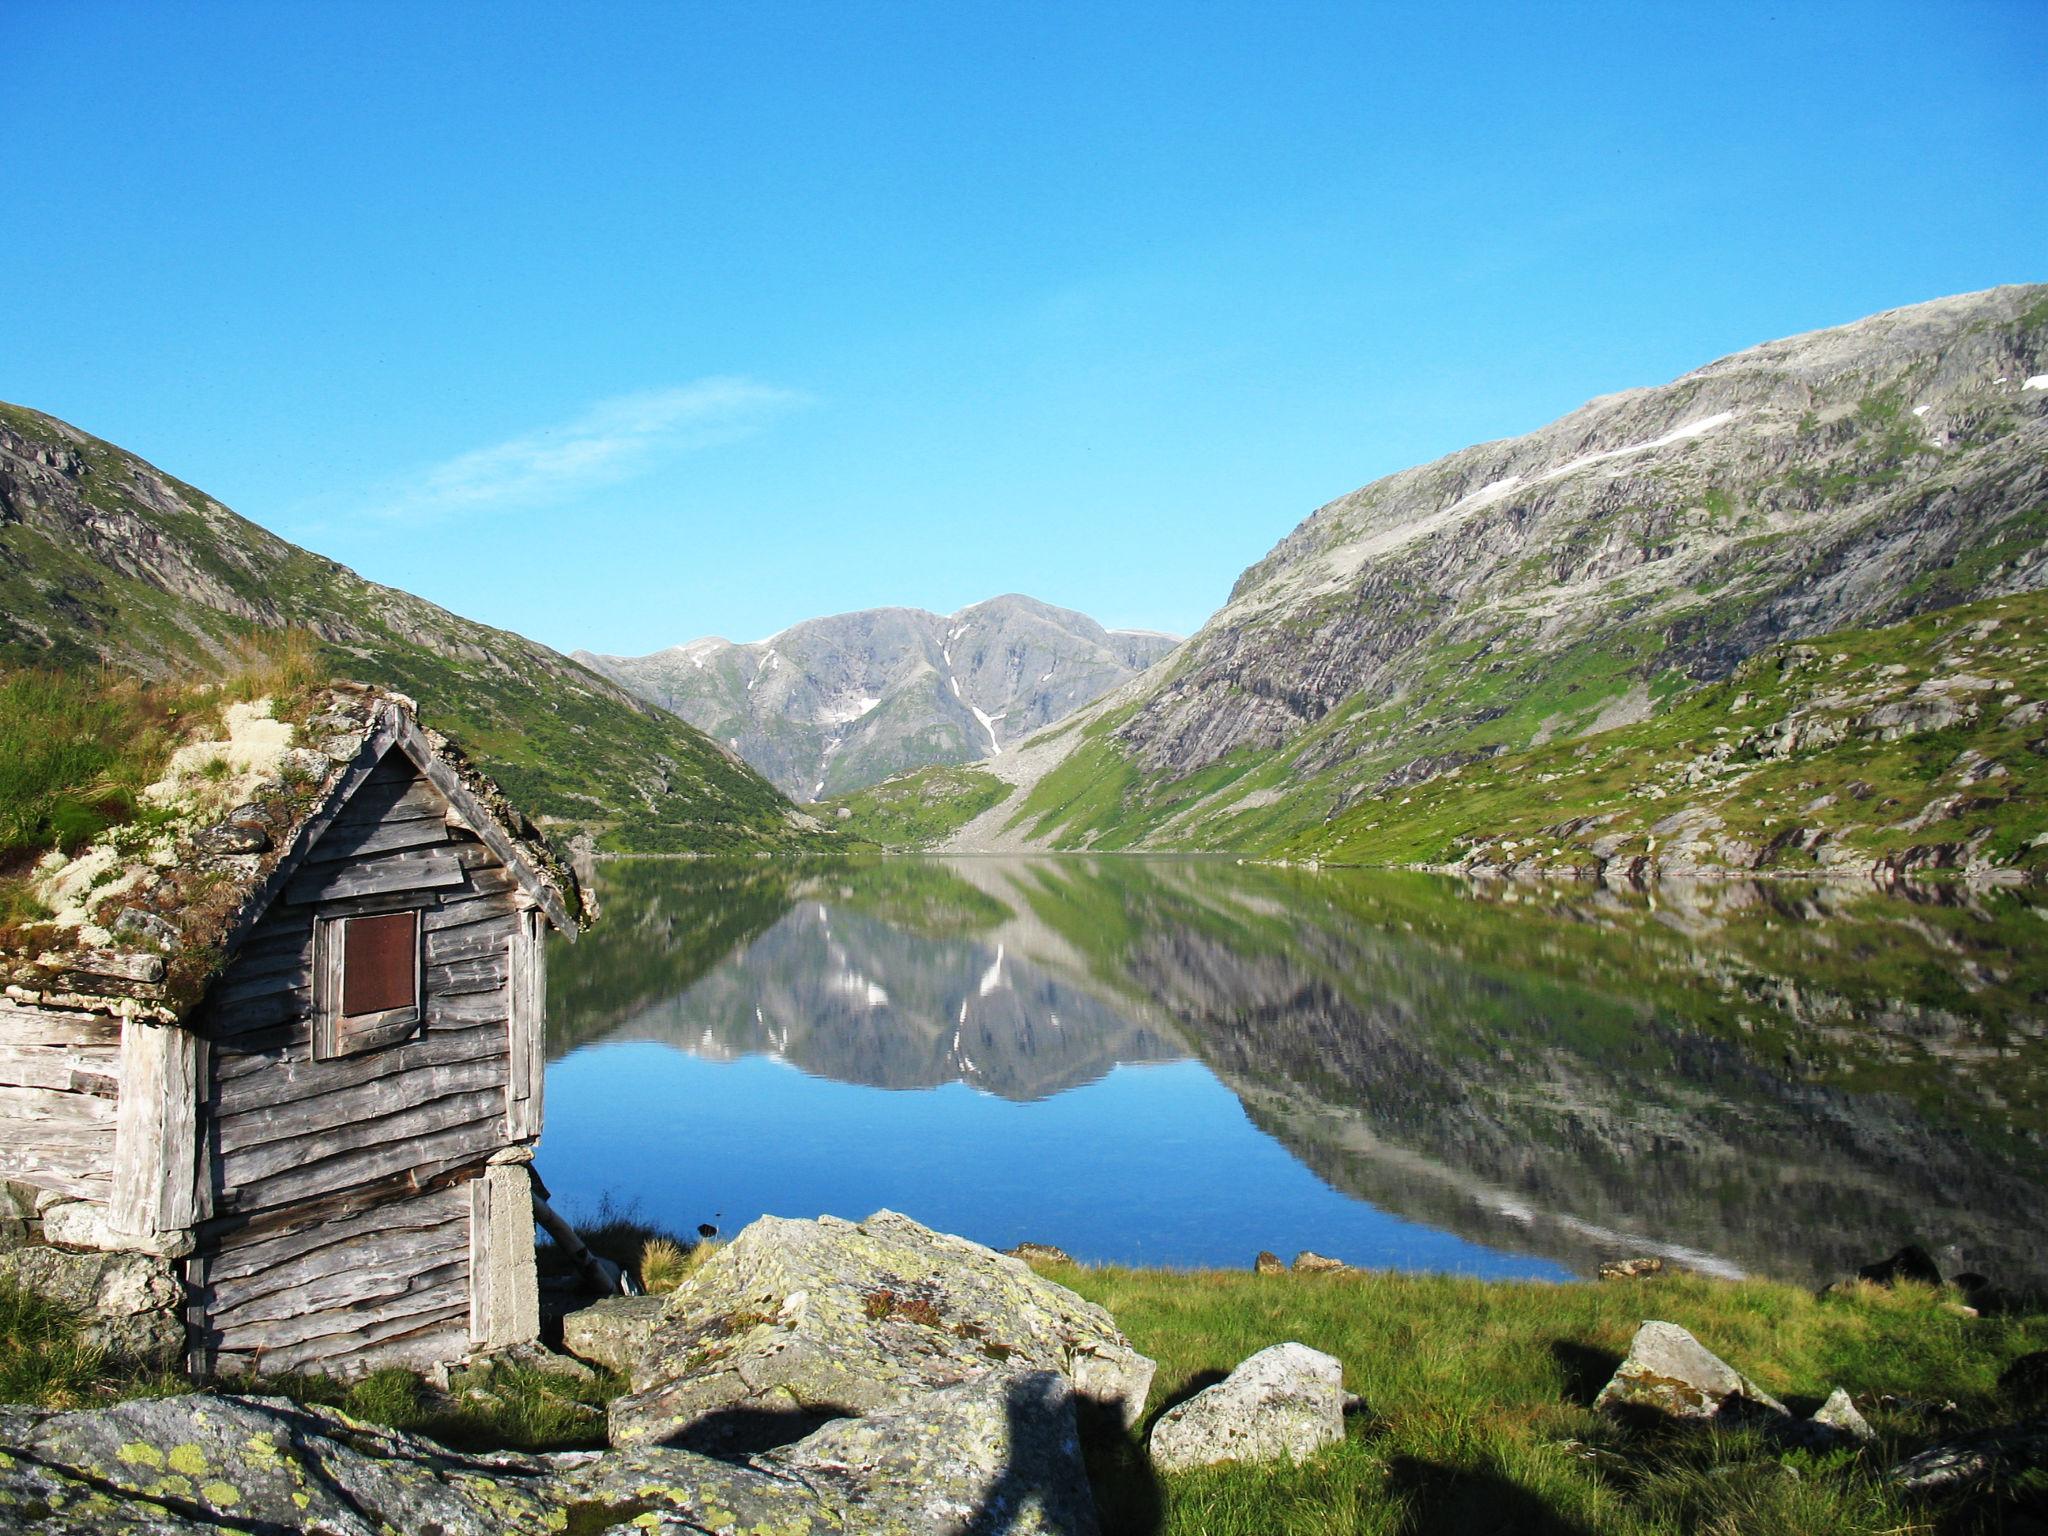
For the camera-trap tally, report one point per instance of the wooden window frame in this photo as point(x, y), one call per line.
point(335, 1034)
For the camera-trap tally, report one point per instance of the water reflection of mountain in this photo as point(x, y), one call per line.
point(1763, 1079)
point(1476, 1067)
point(848, 997)
point(893, 975)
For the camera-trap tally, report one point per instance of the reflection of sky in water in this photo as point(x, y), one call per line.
point(1149, 1165)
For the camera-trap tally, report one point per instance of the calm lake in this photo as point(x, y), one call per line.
point(1184, 1061)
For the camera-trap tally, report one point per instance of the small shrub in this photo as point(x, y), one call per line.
point(663, 1264)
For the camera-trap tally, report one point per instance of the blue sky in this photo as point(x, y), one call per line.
point(619, 327)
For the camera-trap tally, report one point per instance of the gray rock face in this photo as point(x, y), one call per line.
point(999, 1454)
point(835, 704)
point(1835, 1423)
point(1828, 481)
point(130, 1302)
point(200, 1463)
point(1668, 1370)
point(796, 1322)
point(1286, 1401)
point(614, 1332)
point(1988, 1459)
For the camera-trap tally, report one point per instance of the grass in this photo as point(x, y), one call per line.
point(1476, 1400)
point(1477, 1396)
point(77, 746)
point(917, 809)
point(1711, 749)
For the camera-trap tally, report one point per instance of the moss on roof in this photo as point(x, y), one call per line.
point(137, 920)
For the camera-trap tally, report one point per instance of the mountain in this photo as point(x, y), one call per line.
point(106, 559)
point(833, 705)
point(1550, 588)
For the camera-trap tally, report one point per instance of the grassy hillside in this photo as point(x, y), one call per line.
point(106, 560)
point(916, 810)
point(1921, 745)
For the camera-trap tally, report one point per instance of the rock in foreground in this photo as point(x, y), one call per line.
point(1284, 1401)
point(1668, 1370)
point(999, 1454)
point(797, 1322)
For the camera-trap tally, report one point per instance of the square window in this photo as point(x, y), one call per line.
point(366, 981)
point(379, 963)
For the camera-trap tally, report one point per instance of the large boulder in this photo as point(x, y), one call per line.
point(996, 1455)
point(1990, 1460)
point(128, 1304)
point(615, 1332)
point(202, 1463)
point(797, 1322)
point(1286, 1401)
point(1670, 1371)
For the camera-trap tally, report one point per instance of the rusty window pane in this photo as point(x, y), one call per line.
point(379, 963)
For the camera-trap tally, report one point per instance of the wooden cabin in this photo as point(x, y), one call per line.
point(306, 1069)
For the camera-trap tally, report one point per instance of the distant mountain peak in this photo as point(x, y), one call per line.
point(830, 705)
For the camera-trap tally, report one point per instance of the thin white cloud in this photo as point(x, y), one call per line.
point(613, 440)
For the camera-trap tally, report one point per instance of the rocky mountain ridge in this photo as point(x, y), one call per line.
point(106, 559)
point(1570, 581)
point(835, 704)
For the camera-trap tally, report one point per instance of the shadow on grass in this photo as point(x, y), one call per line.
point(1586, 1369)
point(1128, 1498)
point(1457, 1500)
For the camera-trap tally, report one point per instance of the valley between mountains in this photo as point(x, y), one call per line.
point(1785, 613)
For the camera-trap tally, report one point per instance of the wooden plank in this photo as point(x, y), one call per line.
point(423, 1158)
point(247, 1259)
point(91, 1139)
point(418, 1340)
point(471, 941)
point(26, 1026)
point(360, 1275)
point(483, 973)
point(25, 1109)
point(468, 1008)
point(454, 909)
point(329, 1121)
point(92, 1069)
point(363, 1149)
point(381, 836)
point(59, 1173)
point(418, 870)
point(262, 1082)
point(529, 991)
point(434, 1292)
point(156, 1141)
point(267, 1011)
point(490, 882)
point(329, 1207)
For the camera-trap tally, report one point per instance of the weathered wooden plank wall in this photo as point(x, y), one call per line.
point(60, 1076)
point(387, 1285)
point(322, 1248)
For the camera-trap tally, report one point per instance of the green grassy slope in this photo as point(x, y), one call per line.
point(916, 810)
point(104, 559)
point(1921, 744)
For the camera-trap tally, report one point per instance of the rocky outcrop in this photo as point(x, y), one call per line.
point(615, 1332)
point(1530, 590)
point(130, 1305)
point(1990, 1460)
point(797, 1322)
point(1670, 1372)
point(832, 705)
point(996, 1454)
point(1286, 1402)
